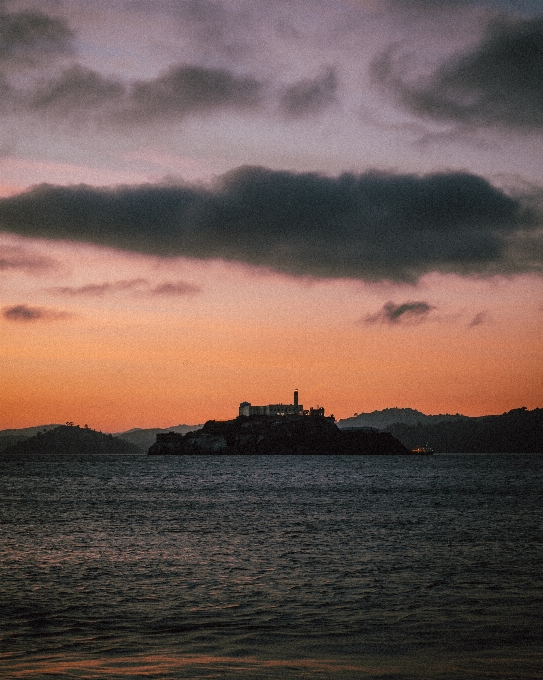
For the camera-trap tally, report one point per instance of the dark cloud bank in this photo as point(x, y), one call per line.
point(371, 226)
point(498, 83)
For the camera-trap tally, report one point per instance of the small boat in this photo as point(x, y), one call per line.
point(423, 450)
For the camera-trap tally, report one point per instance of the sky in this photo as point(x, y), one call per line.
point(204, 202)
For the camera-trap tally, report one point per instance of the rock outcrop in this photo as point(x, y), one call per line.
point(277, 435)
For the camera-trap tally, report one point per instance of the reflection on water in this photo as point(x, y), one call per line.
point(271, 567)
point(188, 666)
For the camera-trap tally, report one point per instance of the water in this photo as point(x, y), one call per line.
point(271, 567)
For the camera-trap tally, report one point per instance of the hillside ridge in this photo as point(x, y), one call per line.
point(73, 440)
point(390, 416)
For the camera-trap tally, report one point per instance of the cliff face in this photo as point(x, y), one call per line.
point(282, 435)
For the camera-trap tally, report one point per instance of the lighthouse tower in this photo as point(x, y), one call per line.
point(297, 408)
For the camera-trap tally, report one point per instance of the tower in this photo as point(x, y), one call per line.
point(295, 398)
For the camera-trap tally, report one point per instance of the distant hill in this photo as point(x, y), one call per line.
point(27, 431)
point(71, 439)
point(389, 416)
point(146, 438)
point(141, 438)
point(9, 437)
point(517, 431)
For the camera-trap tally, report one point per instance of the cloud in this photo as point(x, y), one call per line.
point(228, 30)
point(407, 311)
point(181, 90)
point(30, 41)
point(76, 88)
point(33, 39)
point(372, 226)
point(99, 289)
point(498, 83)
point(16, 258)
point(478, 319)
point(177, 288)
point(310, 96)
point(185, 89)
point(431, 5)
point(26, 314)
point(29, 37)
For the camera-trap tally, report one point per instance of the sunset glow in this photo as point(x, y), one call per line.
point(249, 201)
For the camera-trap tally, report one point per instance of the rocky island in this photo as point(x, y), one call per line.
point(288, 434)
point(277, 429)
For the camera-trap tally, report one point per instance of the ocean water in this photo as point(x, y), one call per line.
point(272, 567)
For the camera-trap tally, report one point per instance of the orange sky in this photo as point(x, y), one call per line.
point(123, 358)
point(378, 140)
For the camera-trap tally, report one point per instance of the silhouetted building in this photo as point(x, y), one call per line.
point(295, 409)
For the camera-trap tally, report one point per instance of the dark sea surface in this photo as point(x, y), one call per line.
point(272, 567)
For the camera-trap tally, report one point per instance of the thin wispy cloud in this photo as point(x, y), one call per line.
point(478, 319)
point(30, 314)
point(310, 96)
point(99, 289)
point(178, 288)
point(137, 286)
point(18, 258)
point(405, 312)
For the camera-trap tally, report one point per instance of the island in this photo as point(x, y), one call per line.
point(277, 429)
